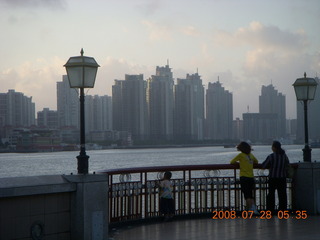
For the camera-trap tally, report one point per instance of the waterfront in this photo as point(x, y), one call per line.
point(33, 164)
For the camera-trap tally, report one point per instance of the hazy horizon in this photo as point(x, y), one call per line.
point(246, 43)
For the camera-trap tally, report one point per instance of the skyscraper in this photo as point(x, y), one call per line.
point(129, 106)
point(16, 110)
point(160, 103)
point(47, 118)
point(67, 104)
point(260, 127)
point(189, 108)
point(273, 102)
point(98, 113)
point(219, 112)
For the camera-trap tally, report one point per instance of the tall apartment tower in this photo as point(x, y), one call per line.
point(219, 110)
point(313, 118)
point(16, 110)
point(48, 118)
point(273, 102)
point(98, 113)
point(160, 103)
point(67, 104)
point(129, 106)
point(189, 108)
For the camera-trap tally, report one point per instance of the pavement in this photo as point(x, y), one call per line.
point(208, 228)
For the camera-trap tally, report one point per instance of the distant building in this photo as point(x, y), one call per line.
point(260, 127)
point(237, 129)
point(189, 108)
point(313, 118)
point(219, 112)
point(37, 139)
point(98, 113)
point(16, 110)
point(67, 104)
point(47, 118)
point(273, 102)
point(291, 125)
point(129, 106)
point(160, 103)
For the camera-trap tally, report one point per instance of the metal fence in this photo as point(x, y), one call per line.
point(134, 192)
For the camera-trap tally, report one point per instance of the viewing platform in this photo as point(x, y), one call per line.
point(206, 228)
point(124, 204)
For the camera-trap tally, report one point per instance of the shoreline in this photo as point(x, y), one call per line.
point(162, 146)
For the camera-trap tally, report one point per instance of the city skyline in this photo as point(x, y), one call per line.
point(72, 92)
point(247, 44)
point(134, 109)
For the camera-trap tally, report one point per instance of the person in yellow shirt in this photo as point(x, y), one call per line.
point(246, 160)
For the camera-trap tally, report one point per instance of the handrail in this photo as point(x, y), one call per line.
point(169, 168)
point(180, 167)
point(135, 198)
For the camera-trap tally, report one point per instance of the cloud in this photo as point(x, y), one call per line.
point(271, 37)
point(257, 35)
point(157, 32)
point(48, 4)
point(35, 79)
point(268, 54)
point(190, 31)
point(268, 49)
point(150, 7)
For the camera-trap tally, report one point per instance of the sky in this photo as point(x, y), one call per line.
point(246, 44)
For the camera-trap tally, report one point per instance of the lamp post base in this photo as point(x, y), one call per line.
point(306, 153)
point(83, 164)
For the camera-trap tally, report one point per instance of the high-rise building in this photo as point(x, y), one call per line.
point(47, 118)
point(129, 106)
point(313, 118)
point(219, 112)
point(98, 111)
point(16, 110)
point(273, 102)
point(67, 104)
point(237, 129)
point(160, 103)
point(260, 127)
point(189, 108)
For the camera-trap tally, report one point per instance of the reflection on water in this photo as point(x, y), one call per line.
point(31, 164)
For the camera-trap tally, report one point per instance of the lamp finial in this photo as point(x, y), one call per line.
point(305, 75)
point(81, 51)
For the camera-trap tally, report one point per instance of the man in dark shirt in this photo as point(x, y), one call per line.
point(277, 163)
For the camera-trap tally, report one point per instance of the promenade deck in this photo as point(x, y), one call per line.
point(206, 228)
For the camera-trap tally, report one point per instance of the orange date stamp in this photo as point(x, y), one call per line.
point(226, 214)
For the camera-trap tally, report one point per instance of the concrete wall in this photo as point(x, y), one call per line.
point(307, 187)
point(54, 207)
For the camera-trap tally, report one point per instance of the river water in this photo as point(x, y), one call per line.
point(34, 164)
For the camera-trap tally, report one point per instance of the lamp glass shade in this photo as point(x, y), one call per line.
point(305, 88)
point(81, 71)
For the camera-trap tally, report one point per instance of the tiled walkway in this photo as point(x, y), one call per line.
point(204, 229)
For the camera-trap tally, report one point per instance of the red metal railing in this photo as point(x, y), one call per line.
point(134, 192)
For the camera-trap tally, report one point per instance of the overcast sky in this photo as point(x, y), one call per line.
point(247, 43)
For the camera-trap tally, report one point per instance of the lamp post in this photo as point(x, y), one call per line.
point(305, 89)
point(82, 71)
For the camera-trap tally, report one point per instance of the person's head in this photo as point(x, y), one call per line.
point(276, 147)
point(244, 147)
point(167, 175)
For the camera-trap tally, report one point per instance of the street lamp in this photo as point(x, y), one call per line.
point(82, 71)
point(305, 89)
